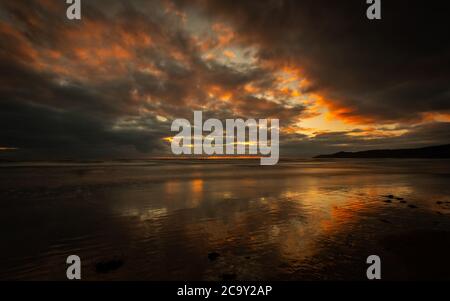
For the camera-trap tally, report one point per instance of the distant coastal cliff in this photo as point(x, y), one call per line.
point(432, 152)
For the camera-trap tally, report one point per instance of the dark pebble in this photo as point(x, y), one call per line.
point(390, 196)
point(213, 256)
point(385, 221)
point(399, 199)
point(108, 266)
point(439, 202)
point(388, 201)
point(403, 202)
point(412, 206)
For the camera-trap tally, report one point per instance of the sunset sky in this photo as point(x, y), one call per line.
point(111, 84)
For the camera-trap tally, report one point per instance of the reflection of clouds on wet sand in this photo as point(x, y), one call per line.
point(285, 223)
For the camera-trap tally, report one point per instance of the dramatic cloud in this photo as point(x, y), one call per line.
point(394, 69)
point(110, 84)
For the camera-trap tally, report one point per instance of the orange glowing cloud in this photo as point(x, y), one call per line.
point(229, 54)
point(344, 113)
point(225, 34)
point(435, 116)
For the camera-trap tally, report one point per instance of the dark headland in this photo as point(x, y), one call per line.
point(431, 152)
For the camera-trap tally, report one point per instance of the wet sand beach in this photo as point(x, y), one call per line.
point(214, 220)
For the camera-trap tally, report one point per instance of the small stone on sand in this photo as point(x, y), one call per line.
point(213, 256)
point(108, 266)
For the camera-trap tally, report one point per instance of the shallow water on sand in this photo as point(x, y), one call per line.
point(161, 219)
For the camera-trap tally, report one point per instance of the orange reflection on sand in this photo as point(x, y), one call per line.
point(197, 186)
point(172, 187)
point(338, 217)
point(196, 192)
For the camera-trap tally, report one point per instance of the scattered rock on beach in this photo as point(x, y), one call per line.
point(393, 197)
point(108, 266)
point(213, 256)
point(412, 206)
point(388, 201)
point(403, 202)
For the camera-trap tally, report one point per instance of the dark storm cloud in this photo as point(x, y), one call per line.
point(391, 70)
point(104, 86)
point(68, 133)
point(82, 87)
point(52, 108)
